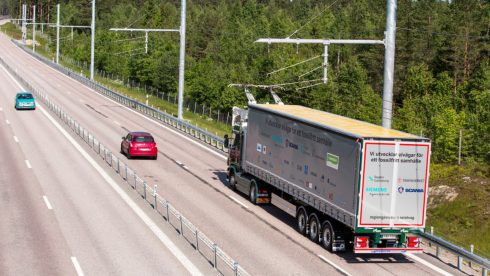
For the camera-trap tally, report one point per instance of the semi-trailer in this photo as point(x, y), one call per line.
point(354, 184)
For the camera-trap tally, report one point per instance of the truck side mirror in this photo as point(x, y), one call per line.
point(226, 143)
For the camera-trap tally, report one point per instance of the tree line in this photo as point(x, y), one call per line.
point(442, 65)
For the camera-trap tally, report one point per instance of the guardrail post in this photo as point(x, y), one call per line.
point(472, 248)
point(135, 181)
point(432, 233)
point(155, 196)
point(181, 227)
point(144, 189)
point(215, 253)
point(460, 263)
point(484, 271)
point(126, 178)
point(166, 204)
point(235, 268)
point(197, 240)
point(118, 171)
point(438, 251)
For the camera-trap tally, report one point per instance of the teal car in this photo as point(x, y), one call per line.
point(25, 100)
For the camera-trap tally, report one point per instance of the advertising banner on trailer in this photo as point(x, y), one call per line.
point(394, 184)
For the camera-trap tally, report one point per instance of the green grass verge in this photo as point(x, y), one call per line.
point(465, 220)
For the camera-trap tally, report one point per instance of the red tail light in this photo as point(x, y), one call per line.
point(362, 242)
point(413, 242)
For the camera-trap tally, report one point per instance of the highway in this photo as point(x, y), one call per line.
point(190, 175)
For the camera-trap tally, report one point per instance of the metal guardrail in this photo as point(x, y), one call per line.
point(223, 263)
point(460, 252)
point(151, 112)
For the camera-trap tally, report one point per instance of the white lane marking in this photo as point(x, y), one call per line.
point(16, 139)
point(185, 167)
point(193, 270)
point(8, 122)
point(117, 123)
point(77, 266)
point(50, 207)
point(178, 162)
point(334, 265)
point(426, 263)
point(238, 201)
point(28, 164)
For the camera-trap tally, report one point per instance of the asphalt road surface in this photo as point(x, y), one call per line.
point(261, 238)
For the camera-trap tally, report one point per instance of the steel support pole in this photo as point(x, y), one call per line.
point(146, 42)
point(34, 28)
point(57, 32)
point(181, 59)
point(92, 45)
point(389, 64)
point(325, 63)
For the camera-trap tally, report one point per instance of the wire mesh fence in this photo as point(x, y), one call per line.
point(207, 248)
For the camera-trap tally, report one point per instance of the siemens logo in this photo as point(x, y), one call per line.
point(376, 189)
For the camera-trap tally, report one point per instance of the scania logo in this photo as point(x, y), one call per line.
point(410, 190)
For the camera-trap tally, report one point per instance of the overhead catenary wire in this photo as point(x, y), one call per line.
point(296, 82)
point(311, 71)
point(293, 65)
point(313, 18)
point(129, 51)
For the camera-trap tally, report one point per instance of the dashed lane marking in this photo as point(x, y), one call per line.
point(28, 164)
point(238, 201)
point(16, 139)
point(48, 204)
point(334, 265)
point(77, 266)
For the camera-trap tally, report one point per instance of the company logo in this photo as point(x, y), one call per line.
point(259, 147)
point(291, 145)
point(277, 139)
point(410, 190)
point(306, 169)
point(376, 189)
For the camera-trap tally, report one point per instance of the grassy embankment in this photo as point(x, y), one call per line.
point(202, 122)
point(460, 205)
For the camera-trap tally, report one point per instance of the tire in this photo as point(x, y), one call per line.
point(327, 235)
point(314, 227)
point(252, 195)
point(122, 151)
point(155, 157)
point(232, 180)
point(301, 220)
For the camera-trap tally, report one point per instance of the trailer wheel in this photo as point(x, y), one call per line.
point(327, 235)
point(232, 180)
point(314, 227)
point(252, 195)
point(301, 220)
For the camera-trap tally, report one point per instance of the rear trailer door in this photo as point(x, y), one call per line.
point(394, 184)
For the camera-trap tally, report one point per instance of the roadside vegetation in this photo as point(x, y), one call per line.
point(442, 73)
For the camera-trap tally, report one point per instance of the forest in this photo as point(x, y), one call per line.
point(442, 62)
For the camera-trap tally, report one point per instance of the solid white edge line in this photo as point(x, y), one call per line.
point(48, 204)
point(237, 201)
point(334, 265)
point(178, 162)
point(141, 115)
point(16, 139)
point(193, 270)
point(28, 164)
point(426, 263)
point(185, 167)
point(77, 266)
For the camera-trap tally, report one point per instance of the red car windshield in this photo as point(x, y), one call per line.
point(143, 139)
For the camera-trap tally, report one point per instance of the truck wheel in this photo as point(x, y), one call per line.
point(301, 220)
point(327, 235)
point(252, 195)
point(232, 180)
point(314, 227)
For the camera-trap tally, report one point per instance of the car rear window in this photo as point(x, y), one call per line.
point(147, 139)
point(25, 96)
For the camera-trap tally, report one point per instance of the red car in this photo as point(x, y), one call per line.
point(139, 144)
